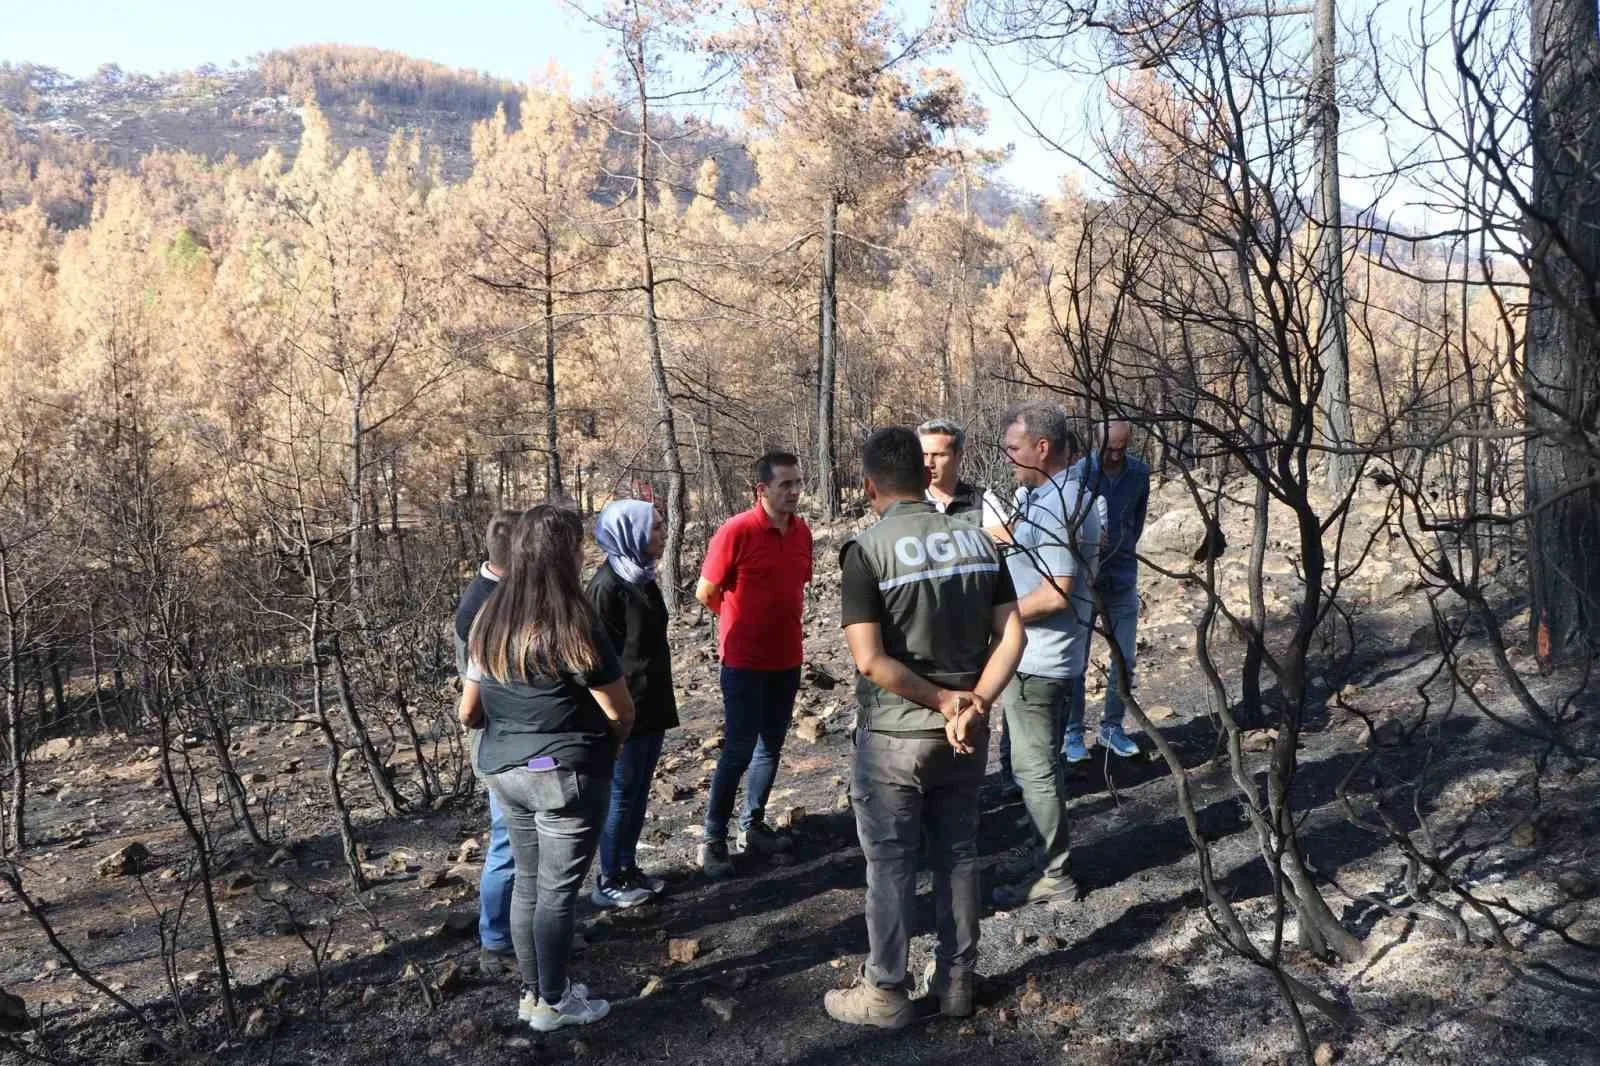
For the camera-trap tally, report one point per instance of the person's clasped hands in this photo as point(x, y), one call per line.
point(966, 716)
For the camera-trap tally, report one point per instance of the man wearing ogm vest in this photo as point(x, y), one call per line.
point(931, 620)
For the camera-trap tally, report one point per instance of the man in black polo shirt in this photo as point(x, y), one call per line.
point(931, 621)
point(496, 955)
point(944, 444)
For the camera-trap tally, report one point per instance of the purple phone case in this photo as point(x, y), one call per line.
point(542, 763)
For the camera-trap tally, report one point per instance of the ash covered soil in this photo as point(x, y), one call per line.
point(735, 972)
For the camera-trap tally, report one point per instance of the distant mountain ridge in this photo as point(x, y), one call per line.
point(115, 118)
point(367, 94)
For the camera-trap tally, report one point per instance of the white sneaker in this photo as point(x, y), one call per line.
point(575, 1008)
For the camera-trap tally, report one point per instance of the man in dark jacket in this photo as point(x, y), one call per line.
point(496, 955)
point(1122, 481)
point(931, 620)
point(944, 444)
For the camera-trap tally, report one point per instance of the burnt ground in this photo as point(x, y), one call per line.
point(1131, 974)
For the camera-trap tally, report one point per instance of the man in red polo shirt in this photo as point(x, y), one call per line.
point(754, 579)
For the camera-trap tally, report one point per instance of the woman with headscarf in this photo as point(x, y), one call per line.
point(544, 684)
point(634, 615)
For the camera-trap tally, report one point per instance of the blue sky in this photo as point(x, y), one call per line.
point(513, 39)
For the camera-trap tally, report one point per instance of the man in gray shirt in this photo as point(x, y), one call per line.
point(1055, 543)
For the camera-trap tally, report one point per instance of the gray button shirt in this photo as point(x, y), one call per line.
point(1056, 532)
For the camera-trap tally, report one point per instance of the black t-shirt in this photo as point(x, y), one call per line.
point(549, 716)
point(861, 600)
point(472, 602)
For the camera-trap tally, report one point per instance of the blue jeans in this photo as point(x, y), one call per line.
point(495, 885)
point(630, 795)
point(1121, 600)
point(756, 708)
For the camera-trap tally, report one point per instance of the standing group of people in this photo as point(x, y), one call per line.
point(956, 607)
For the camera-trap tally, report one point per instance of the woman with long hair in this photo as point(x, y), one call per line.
point(629, 602)
point(545, 686)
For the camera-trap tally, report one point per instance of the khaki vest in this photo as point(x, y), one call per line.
point(936, 575)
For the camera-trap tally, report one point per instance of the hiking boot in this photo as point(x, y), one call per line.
point(1074, 751)
point(619, 893)
point(1044, 889)
point(574, 1008)
point(714, 860)
point(1120, 743)
point(763, 841)
point(639, 879)
point(867, 1004)
point(493, 962)
point(955, 994)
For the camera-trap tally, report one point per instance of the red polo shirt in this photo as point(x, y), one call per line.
point(763, 575)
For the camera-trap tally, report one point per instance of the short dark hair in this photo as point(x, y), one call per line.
point(943, 427)
point(892, 458)
point(497, 538)
point(1043, 420)
point(767, 462)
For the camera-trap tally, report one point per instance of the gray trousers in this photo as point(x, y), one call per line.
point(1036, 710)
point(554, 818)
point(901, 788)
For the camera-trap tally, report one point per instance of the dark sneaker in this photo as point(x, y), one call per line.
point(619, 893)
point(638, 878)
point(714, 860)
point(1044, 889)
point(763, 841)
point(496, 963)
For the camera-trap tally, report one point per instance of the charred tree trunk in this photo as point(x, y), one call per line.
point(827, 362)
point(388, 798)
point(357, 503)
point(219, 738)
point(552, 432)
point(16, 739)
point(1333, 349)
point(1563, 354)
point(201, 843)
point(672, 461)
point(330, 740)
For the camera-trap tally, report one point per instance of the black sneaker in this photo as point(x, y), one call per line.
point(619, 893)
point(496, 963)
point(635, 876)
point(763, 841)
point(715, 862)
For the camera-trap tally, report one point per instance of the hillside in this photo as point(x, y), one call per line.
point(115, 118)
point(1132, 975)
point(368, 95)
